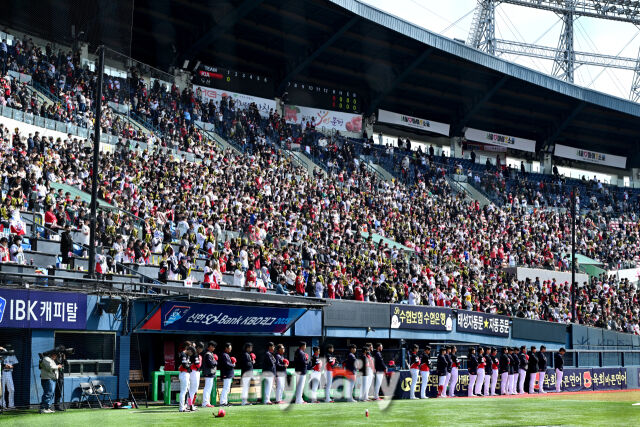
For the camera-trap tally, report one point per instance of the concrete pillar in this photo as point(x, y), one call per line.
point(123, 358)
point(183, 78)
point(456, 146)
point(547, 167)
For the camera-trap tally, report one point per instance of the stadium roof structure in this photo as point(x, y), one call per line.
point(390, 63)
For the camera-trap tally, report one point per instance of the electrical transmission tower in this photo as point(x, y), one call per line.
point(565, 59)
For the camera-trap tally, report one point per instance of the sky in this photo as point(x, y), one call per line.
point(452, 18)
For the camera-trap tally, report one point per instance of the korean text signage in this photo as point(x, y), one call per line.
point(196, 317)
point(42, 310)
point(327, 119)
point(421, 317)
point(483, 323)
point(241, 100)
point(573, 380)
point(590, 156)
point(413, 122)
point(501, 140)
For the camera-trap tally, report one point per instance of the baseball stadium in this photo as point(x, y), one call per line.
point(307, 212)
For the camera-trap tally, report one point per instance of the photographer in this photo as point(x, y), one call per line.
point(49, 370)
point(8, 361)
point(62, 352)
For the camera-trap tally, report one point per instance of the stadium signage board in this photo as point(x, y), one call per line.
point(483, 323)
point(590, 156)
point(421, 317)
point(494, 138)
point(241, 100)
point(42, 310)
point(574, 379)
point(198, 317)
point(327, 119)
point(413, 122)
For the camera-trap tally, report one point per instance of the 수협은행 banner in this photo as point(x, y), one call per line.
point(42, 310)
point(405, 316)
point(198, 317)
point(494, 138)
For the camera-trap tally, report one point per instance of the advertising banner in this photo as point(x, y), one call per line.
point(483, 323)
point(413, 122)
point(42, 310)
point(197, 317)
point(590, 156)
point(241, 100)
point(334, 120)
point(405, 316)
point(574, 379)
point(462, 387)
point(22, 78)
point(501, 140)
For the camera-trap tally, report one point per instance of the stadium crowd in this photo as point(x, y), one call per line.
point(343, 233)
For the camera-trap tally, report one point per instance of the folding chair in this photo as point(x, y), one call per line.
point(87, 393)
point(100, 389)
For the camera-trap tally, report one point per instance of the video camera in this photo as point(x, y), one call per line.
point(6, 351)
point(60, 350)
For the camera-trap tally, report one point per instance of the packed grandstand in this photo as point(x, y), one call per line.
point(247, 214)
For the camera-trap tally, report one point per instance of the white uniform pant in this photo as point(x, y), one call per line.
point(206, 393)
point(184, 389)
point(378, 384)
point(487, 383)
point(479, 381)
point(327, 386)
point(8, 388)
point(414, 380)
point(541, 376)
point(194, 383)
point(532, 382)
point(521, 378)
point(512, 381)
point(226, 387)
point(472, 383)
point(245, 381)
point(348, 388)
point(281, 378)
point(300, 380)
point(447, 379)
point(504, 383)
point(267, 387)
point(494, 381)
point(367, 380)
point(453, 381)
point(424, 376)
point(559, 375)
point(314, 383)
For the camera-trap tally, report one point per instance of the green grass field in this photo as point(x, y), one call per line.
point(611, 409)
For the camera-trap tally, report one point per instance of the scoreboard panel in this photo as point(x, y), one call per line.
point(322, 97)
point(234, 81)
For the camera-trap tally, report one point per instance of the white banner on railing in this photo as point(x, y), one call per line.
point(22, 78)
point(413, 122)
point(590, 156)
point(503, 140)
point(240, 99)
point(334, 120)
